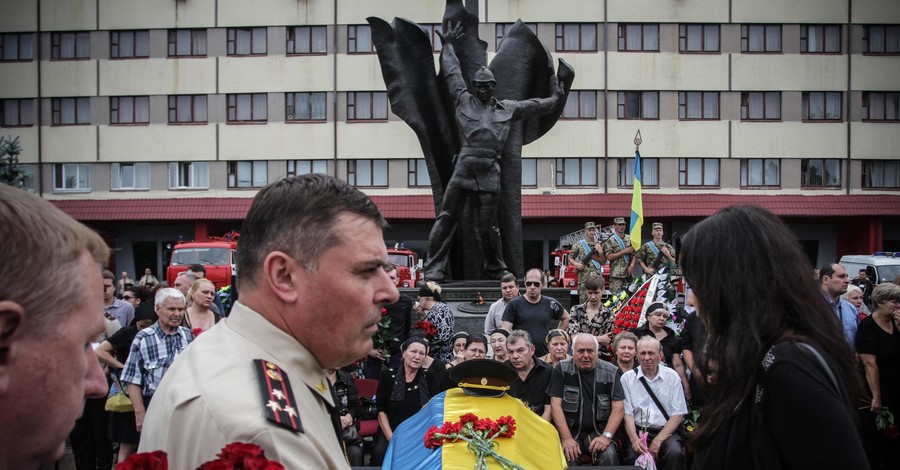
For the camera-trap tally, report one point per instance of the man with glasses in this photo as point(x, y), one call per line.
point(619, 252)
point(533, 312)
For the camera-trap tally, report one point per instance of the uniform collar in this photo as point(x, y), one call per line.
point(289, 354)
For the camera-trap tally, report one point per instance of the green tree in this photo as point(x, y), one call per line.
point(10, 173)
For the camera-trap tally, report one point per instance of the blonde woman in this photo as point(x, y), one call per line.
point(198, 317)
point(558, 344)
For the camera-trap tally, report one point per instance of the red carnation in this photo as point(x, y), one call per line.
point(432, 441)
point(156, 460)
point(261, 463)
point(485, 424)
point(451, 428)
point(237, 452)
point(619, 322)
point(510, 424)
point(468, 418)
point(216, 465)
point(383, 311)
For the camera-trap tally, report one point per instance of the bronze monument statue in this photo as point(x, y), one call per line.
point(472, 132)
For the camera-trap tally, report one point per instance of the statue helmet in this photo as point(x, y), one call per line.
point(484, 75)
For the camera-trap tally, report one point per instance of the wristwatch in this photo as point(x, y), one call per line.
point(607, 434)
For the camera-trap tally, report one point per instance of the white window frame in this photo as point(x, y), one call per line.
point(307, 167)
point(749, 168)
point(72, 177)
point(649, 172)
point(129, 176)
point(306, 40)
point(576, 172)
point(238, 177)
point(194, 174)
point(368, 173)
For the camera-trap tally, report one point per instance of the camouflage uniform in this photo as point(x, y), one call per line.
point(578, 254)
point(618, 268)
point(648, 257)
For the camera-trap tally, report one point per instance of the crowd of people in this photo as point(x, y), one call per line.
point(777, 371)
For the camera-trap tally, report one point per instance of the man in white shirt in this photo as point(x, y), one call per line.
point(508, 290)
point(642, 411)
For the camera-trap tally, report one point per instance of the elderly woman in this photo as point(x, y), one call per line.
point(777, 360)
point(498, 344)
point(459, 348)
point(878, 345)
point(854, 295)
point(198, 317)
point(401, 393)
point(625, 351)
point(476, 348)
point(439, 314)
point(558, 344)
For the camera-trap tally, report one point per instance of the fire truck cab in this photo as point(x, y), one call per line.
point(216, 254)
point(409, 267)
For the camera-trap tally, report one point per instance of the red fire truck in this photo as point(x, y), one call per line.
point(409, 267)
point(216, 254)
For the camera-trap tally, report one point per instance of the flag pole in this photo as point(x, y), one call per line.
point(637, 205)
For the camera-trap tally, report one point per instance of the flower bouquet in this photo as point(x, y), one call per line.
point(479, 434)
point(383, 339)
point(427, 327)
point(645, 460)
point(234, 456)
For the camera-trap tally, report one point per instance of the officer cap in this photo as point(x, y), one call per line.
point(483, 377)
point(657, 225)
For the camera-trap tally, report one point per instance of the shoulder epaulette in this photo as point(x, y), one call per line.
point(278, 401)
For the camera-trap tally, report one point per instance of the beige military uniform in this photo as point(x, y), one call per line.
point(211, 397)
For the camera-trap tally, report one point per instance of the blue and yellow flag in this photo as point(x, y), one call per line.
point(637, 205)
point(535, 444)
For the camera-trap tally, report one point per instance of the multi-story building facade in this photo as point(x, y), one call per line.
point(154, 119)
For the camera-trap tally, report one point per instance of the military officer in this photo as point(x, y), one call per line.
point(619, 252)
point(589, 244)
point(313, 284)
point(650, 251)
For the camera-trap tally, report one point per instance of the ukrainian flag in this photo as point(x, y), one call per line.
point(535, 444)
point(637, 205)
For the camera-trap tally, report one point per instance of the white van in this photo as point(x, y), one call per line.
point(881, 266)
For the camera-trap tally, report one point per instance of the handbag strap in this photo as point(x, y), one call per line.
point(653, 397)
point(821, 360)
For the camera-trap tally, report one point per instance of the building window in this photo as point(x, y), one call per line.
point(698, 172)
point(253, 174)
point(307, 40)
point(367, 106)
point(248, 107)
point(760, 38)
point(820, 173)
point(576, 172)
point(129, 110)
point(432, 30)
point(70, 46)
point(130, 176)
point(881, 174)
point(306, 167)
point(187, 43)
point(581, 104)
point(187, 109)
point(417, 172)
point(246, 41)
point(529, 172)
point(129, 44)
point(17, 113)
point(367, 173)
point(359, 39)
point(881, 39)
point(761, 106)
point(638, 105)
point(576, 37)
point(71, 111)
point(820, 39)
point(760, 172)
point(698, 105)
point(188, 175)
point(822, 106)
point(639, 37)
point(28, 171)
point(305, 106)
point(698, 38)
point(75, 177)
point(16, 46)
point(881, 106)
point(500, 30)
point(649, 172)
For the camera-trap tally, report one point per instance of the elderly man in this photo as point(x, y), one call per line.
point(532, 312)
point(834, 279)
point(587, 257)
point(586, 403)
point(312, 277)
point(619, 252)
point(153, 351)
point(508, 290)
point(47, 365)
point(654, 400)
point(534, 374)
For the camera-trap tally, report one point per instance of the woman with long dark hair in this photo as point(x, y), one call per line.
point(782, 380)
